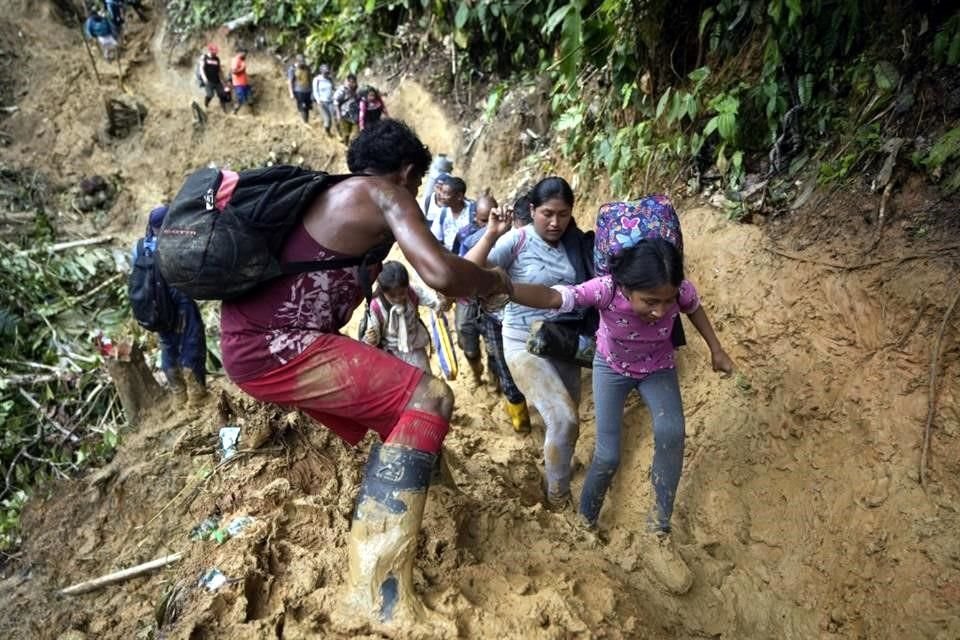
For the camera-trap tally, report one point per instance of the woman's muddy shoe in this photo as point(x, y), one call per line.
point(558, 503)
point(666, 565)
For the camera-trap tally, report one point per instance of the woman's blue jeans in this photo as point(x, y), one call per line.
point(661, 393)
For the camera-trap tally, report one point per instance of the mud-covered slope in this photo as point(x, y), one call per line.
point(799, 510)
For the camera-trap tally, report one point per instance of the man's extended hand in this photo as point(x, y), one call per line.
point(498, 297)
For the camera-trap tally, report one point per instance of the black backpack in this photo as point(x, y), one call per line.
point(213, 254)
point(150, 298)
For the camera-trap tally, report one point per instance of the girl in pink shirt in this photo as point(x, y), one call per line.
point(638, 303)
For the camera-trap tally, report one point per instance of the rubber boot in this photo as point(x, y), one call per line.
point(177, 386)
point(383, 539)
point(519, 416)
point(196, 391)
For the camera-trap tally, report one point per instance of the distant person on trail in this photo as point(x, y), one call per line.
point(393, 320)
point(240, 81)
point(282, 344)
point(183, 348)
point(372, 108)
point(103, 31)
point(299, 79)
point(439, 170)
point(638, 302)
point(347, 106)
point(323, 96)
point(212, 79)
point(115, 12)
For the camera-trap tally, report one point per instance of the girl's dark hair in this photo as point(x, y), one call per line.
point(521, 210)
point(550, 188)
point(649, 264)
point(393, 276)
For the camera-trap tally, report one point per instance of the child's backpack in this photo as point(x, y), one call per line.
point(621, 225)
point(379, 307)
point(224, 231)
point(150, 298)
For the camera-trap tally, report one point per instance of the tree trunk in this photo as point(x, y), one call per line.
point(136, 386)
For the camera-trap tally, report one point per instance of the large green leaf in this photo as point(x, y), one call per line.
point(556, 18)
point(463, 12)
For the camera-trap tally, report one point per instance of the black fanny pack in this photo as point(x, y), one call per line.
point(563, 339)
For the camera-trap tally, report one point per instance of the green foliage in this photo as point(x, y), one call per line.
point(945, 152)
point(946, 44)
point(10, 509)
point(57, 405)
point(710, 82)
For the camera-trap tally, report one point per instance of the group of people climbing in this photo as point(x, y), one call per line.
point(344, 109)
point(105, 24)
point(511, 270)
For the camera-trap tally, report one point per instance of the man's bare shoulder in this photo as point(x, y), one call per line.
point(362, 190)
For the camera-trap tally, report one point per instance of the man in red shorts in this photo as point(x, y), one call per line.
point(282, 344)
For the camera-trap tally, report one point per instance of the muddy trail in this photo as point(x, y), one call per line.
point(799, 511)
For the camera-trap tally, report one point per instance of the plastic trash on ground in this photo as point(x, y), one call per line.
point(213, 580)
point(232, 530)
point(229, 438)
point(205, 529)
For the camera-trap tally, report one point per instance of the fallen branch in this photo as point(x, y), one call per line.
point(62, 246)
point(121, 576)
point(242, 21)
point(932, 391)
point(880, 217)
point(36, 405)
point(27, 379)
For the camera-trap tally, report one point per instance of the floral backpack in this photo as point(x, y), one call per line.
point(621, 225)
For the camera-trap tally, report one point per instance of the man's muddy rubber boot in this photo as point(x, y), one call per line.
point(383, 537)
point(196, 392)
point(177, 386)
point(519, 416)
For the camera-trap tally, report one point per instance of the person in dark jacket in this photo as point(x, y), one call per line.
point(102, 30)
point(183, 349)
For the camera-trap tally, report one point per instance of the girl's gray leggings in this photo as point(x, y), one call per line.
point(661, 392)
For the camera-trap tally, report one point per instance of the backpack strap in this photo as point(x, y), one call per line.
point(443, 218)
point(521, 242)
point(376, 309)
